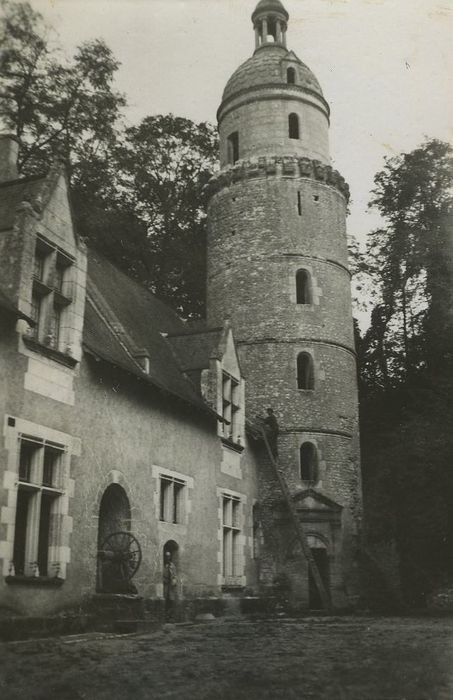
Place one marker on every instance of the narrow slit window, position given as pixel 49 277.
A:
pixel 308 463
pixel 305 371
pixel 293 126
pixel 291 76
pixel 303 287
pixel 299 204
pixel 233 147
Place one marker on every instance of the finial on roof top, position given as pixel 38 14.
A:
pixel 270 23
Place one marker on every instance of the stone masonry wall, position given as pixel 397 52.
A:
pixel 262 126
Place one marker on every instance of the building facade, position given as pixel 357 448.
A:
pixel 119 417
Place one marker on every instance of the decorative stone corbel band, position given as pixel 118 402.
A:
pixel 270 166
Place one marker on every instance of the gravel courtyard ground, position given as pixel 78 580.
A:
pixel 335 658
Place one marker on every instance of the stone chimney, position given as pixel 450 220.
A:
pixel 9 150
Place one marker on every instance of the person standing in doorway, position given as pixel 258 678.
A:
pixel 170 586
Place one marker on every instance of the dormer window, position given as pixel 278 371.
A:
pixel 233 147
pixel 38 265
pixel 51 293
pixel 291 76
pixel 230 407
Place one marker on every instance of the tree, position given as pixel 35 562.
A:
pixel 162 167
pixel 406 359
pixel 55 106
pixel 137 193
pixel 410 261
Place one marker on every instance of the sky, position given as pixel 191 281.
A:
pixel 385 67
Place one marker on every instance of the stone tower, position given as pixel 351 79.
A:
pixel 278 269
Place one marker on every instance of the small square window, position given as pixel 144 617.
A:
pixel 171 500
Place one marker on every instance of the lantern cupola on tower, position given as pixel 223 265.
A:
pixel 270 23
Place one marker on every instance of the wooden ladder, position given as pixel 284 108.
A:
pixel 323 594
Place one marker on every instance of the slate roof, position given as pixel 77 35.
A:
pixel 14 192
pixel 194 350
pixel 122 317
pixel 264 68
pixel 8 305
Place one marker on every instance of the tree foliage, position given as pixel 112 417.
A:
pixel 161 167
pixel 408 264
pixel 406 359
pixel 54 106
pixel 137 192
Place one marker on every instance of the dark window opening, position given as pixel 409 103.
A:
pixel 293 126
pixel 305 372
pixel 59 277
pixel 50 467
pixel 35 313
pixel 303 287
pixel 55 326
pixel 308 463
pixel 20 530
pixel 316 197
pixel 27 450
pixel 299 204
pixel 233 147
pixel 44 535
pixel 291 76
pixel 38 265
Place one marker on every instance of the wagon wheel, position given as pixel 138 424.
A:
pixel 121 555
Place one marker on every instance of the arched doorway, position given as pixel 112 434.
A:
pixel 319 553
pixel 114 516
pixel 173 548
pixel 170 578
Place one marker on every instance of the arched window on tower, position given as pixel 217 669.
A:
pixel 305 371
pixel 308 456
pixel 303 287
pixel 233 147
pixel 290 76
pixel 293 126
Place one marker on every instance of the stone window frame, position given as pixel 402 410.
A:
pixel 159 473
pixel 15 431
pixel 233 147
pixel 309 372
pixel 314 479
pixel 307 292
pixel 238 540
pixel 291 71
pixel 171 499
pixel 231 407
pixel 321 466
pixel 52 292
pixel 316 290
pixel 293 126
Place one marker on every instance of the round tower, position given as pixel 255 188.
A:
pixel 278 269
